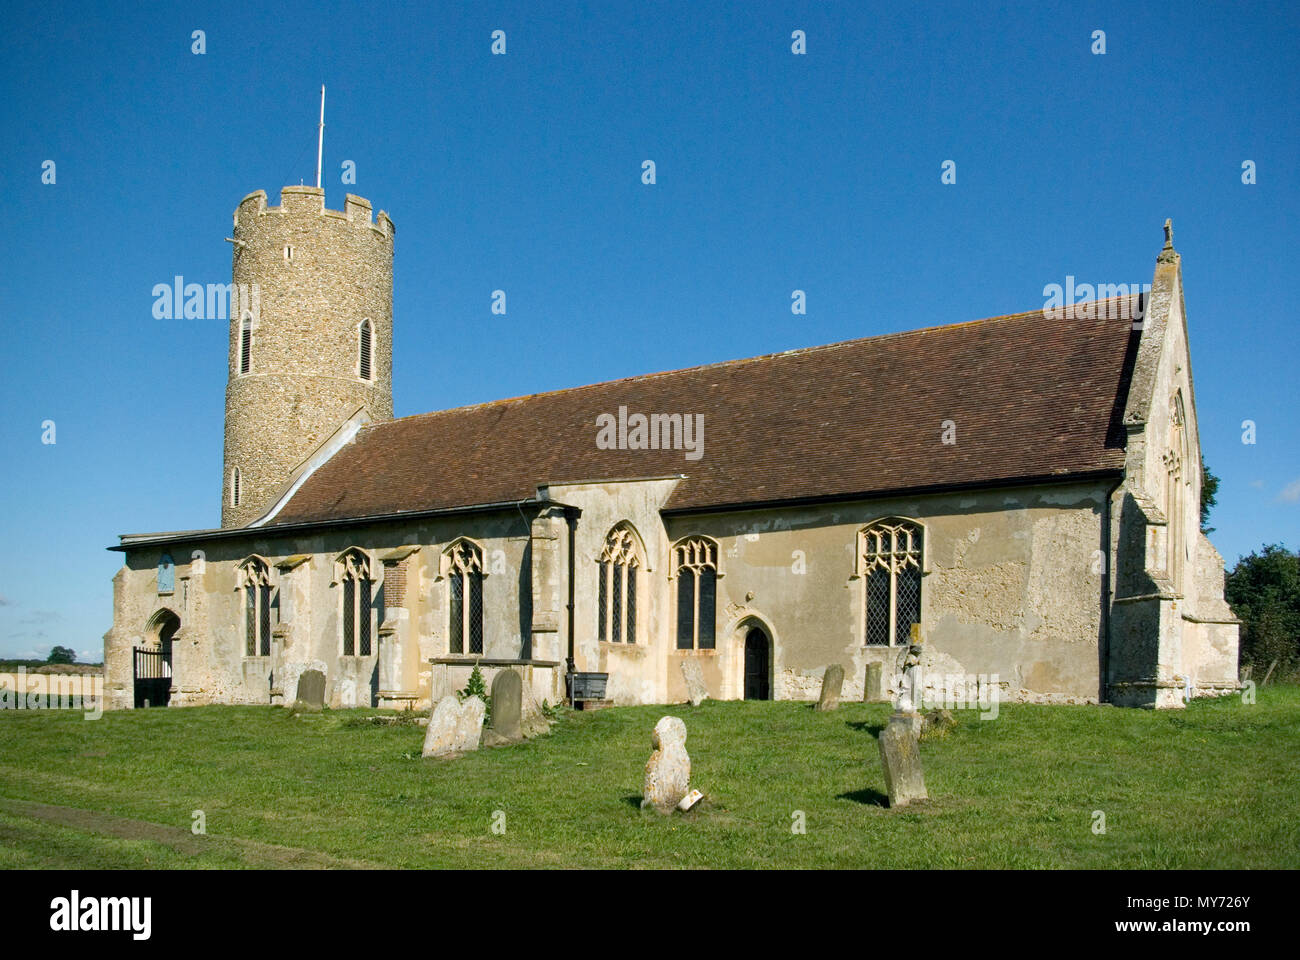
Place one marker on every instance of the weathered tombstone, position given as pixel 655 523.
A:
pixel 469 725
pixel 668 772
pixel 900 758
pixel 533 722
pixel 832 682
pixel 311 689
pixel 507 704
pixel 440 734
pixel 875 687
pixel 696 690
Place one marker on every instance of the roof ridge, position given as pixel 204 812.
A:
pixel 376 425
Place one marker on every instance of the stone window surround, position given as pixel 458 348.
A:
pixel 716 563
pixel 345 567
pixel 860 571
pixel 445 573
pixel 628 553
pixel 255 570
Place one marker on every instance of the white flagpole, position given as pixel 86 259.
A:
pixel 320 141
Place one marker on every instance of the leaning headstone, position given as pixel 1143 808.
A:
pixel 832 682
pixel 875 688
pixel 440 734
pixel 696 690
pixel 901 759
pixel 311 689
pixel 668 773
pixel 469 725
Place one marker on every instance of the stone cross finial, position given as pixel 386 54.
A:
pixel 1169 233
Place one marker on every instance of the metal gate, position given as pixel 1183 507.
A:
pixel 153 677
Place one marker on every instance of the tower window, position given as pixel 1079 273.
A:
pixel 288 253
pixel 246 345
pixel 234 487
pixel 366 336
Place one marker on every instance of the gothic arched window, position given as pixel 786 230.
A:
pixel 464 570
pixel 255 584
pixel 889 562
pixel 365 337
pixel 353 569
pixel 616 589
pixel 695 565
pixel 246 345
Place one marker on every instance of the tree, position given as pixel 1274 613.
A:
pixel 1209 487
pixel 1264 591
pixel 62 655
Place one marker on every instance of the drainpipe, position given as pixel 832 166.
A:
pixel 572 521
pixel 1108 534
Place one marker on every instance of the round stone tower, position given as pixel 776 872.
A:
pixel 311 338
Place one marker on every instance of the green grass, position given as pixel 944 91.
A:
pixel 1216 785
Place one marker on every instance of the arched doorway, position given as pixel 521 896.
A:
pixel 758 665
pixel 152 663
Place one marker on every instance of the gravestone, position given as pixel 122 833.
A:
pixel 696 690
pixel 469 725
pixel 832 681
pixel 533 722
pixel 875 688
pixel 900 757
pixel 668 772
pixel 507 710
pixel 440 734
pixel 311 688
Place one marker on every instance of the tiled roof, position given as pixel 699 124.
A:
pixel 1029 397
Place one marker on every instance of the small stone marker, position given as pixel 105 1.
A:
pixel 469 725
pixel 690 800
pixel 440 734
pixel 875 689
pixel 901 760
pixel 696 690
pixel 507 705
pixel 832 681
pixel 668 772
pixel 311 688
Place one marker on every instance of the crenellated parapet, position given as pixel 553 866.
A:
pixel 310 202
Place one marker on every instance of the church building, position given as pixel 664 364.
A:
pixel 1023 490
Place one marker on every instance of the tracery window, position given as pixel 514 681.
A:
pixel 695 565
pixel 617 569
pixel 358 589
pixel 255 584
pixel 464 565
pixel 889 563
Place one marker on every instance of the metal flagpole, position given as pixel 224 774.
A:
pixel 320 140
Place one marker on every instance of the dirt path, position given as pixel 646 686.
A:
pixel 264 856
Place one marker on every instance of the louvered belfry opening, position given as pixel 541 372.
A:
pixel 246 346
pixel 890 554
pixel 366 335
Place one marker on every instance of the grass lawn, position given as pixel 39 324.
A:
pixel 1216 785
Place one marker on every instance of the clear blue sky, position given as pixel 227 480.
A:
pixel 522 172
